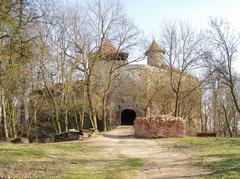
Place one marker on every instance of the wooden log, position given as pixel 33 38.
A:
pixel 206 134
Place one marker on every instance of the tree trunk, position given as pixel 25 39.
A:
pixel 81 122
pixel 227 122
pixel 35 125
pixel 58 128
pixel 104 113
pixel 234 98
pixel 66 120
pixel 57 121
pixel 76 120
pixel 4 115
pixel 94 117
pixel 90 105
pixel 12 118
pixel 176 104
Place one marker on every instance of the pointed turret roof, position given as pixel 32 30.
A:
pixel 154 47
pixel 107 47
pixel 108 51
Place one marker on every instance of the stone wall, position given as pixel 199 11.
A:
pixel 138 84
pixel 159 127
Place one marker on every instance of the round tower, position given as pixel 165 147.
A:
pixel 155 55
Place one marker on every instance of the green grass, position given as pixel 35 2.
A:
pixel 63 160
pixel 221 155
pixel 135 163
pixel 77 160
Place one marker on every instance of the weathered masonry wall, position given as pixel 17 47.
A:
pixel 159 127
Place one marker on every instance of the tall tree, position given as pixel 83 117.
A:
pixel 182 47
pixel 223 43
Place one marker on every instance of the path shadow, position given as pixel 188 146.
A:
pixel 185 176
pixel 129 136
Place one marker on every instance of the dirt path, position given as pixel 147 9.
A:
pixel 159 160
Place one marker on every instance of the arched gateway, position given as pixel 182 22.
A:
pixel 128 116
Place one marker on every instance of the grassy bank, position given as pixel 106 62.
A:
pixel 63 160
pixel 221 155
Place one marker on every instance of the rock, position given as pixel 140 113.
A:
pixel 73 130
pixel 20 140
pixel 159 127
pixel 88 133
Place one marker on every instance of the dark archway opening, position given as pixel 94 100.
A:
pixel 127 117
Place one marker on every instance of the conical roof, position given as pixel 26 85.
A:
pixel 154 47
pixel 107 47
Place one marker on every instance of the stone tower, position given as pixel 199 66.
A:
pixel 155 55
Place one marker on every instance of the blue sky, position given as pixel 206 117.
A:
pixel 149 15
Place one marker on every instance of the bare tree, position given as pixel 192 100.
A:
pixel 88 32
pixel 183 51
pixel 222 43
pixel 17 27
